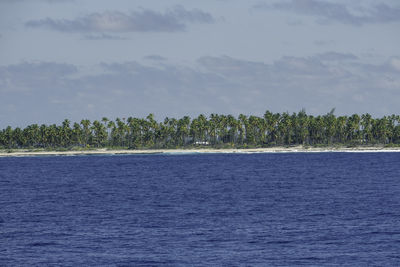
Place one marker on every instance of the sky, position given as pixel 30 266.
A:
pixel 88 59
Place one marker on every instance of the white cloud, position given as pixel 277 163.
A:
pixel 103 36
pixel 155 58
pixel 223 84
pixel 395 63
pixel 145 20
pixel 327 11
pixel 335 56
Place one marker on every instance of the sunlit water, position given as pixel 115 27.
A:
pixel 201 209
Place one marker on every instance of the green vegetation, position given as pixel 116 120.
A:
pixel 218 131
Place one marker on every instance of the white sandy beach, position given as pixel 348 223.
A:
pixel 295 149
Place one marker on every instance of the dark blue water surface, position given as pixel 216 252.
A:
pixel 201 209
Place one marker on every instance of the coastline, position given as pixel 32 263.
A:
pixel 294 149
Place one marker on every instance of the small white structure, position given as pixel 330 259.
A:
pixel 203 143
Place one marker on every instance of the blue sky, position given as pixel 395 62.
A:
pixel 93 58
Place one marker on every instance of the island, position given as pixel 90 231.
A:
pixel 272 132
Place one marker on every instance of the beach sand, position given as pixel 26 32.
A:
pixel 294 149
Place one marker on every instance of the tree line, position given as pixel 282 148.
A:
pixel 272 129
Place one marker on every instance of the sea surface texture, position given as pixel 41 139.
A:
pixel 288 209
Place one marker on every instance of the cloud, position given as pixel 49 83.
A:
pixel 103 36
pixel 46 1
pixel 390 67
pixel 58 1
pixel 327 11
pixel 29 92
pixel 226 65
pixel 335 56
pixel 395 63
pixel 155 58
pixel 324 42
pixel 49 92
pixel 39 95
pixel 26 76
pixel 41 68
pixel 294 22
pixel 146 20
pixel 316 83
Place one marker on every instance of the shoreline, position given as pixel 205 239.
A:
pixel 295 149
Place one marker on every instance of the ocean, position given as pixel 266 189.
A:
pixel 266 209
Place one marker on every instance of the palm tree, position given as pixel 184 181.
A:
pixel 86 133
pixel 32 135
pixel 329 125
pixel 301 123
pixel 153 128
pixel 366 123
pixel 65 134
pixel 77 135
pixel 105 121
pixel 353 128
pixel 243 126
pixel 391 127
pixel 285 129
pixel 233 128
pixel 121 132
pixel 170 132
pixel 99 134
pixel 134 132
pixel 252 130
pixel 9 137
pixel 18 138
pixel 213 126
pixel 396 133
pixel 222 128
pixel 183 129
pixel 341 135
pixel 113 132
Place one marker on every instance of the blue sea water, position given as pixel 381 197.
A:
pixel 288 209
